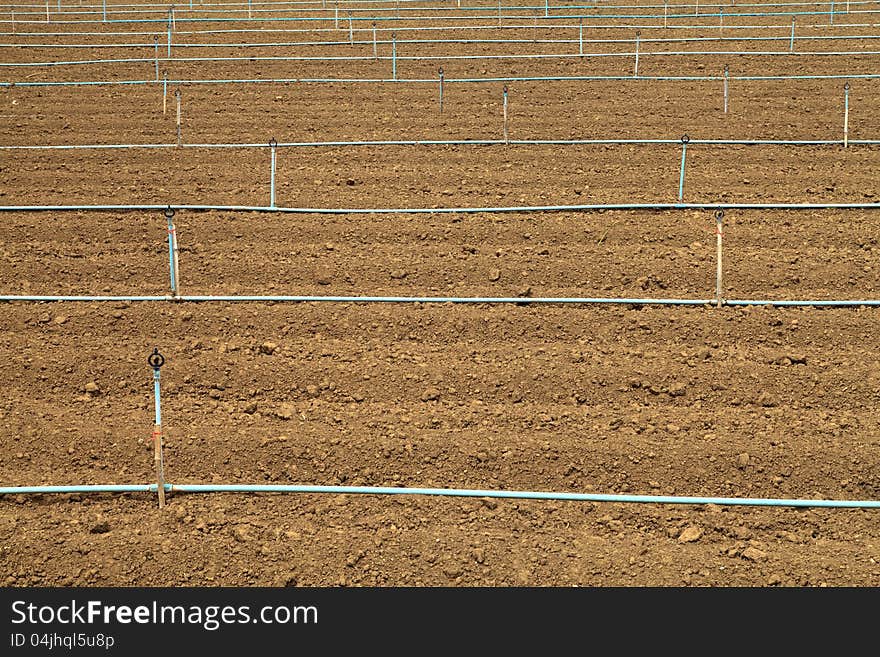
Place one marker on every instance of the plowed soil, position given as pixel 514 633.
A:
pixel 753 401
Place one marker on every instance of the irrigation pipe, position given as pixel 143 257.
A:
pixel 312 5
pixel 418 58
pixel 453 142
pixel 569 78
pixel 90 488
pixel 444 28
pixel 822 303
pixel 289 44
pixel 490 13
pixel 446 210
pixel 451 492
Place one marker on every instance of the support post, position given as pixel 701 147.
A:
pixel 846 115
pixel 726 87
pixel 441 90
pixel 636 69
pixel 581 38
pixel 172 253
pixel 719 233
pixel 156 361
pixel 684 144
pixel 506 141
pixel 273 144
pixel 177 96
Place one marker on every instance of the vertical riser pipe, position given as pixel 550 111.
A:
pixel 719 283
pixel 684 142
pixel 156 360
pixel 636 69
pixel 506 140
pixel 179 137
pixel 726 88
pixel 273 145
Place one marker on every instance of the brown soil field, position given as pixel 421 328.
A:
pixel 753 401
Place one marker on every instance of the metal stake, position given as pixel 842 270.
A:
pixel 726 86
pixel 441 90
pixel 156 361
pixel 273 144
pixel 581 37
pixel 505 115
pixel 172 252
pixel 719 301
pixel 684 143
pixel 636 71
pixel 846 115
pixel 177 95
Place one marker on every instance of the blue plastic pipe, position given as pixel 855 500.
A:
pixel 450 210
pixel 272 145
pixel 517 494
pixel 450 142
pixel 156 395
pixel 446 492
pixel 97 488
pixel 684 144
pixel 841 303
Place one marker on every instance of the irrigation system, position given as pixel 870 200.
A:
pixel 146 38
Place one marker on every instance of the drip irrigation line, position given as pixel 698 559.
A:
pixel 313 5
pixel 90 488
pixel 490 14
pixel 433 81
pixel 521 301
pixel 451 142
pixel 288 44
pixel 446 210
pixel 419 58
pixel 443 28
pixel 452 492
